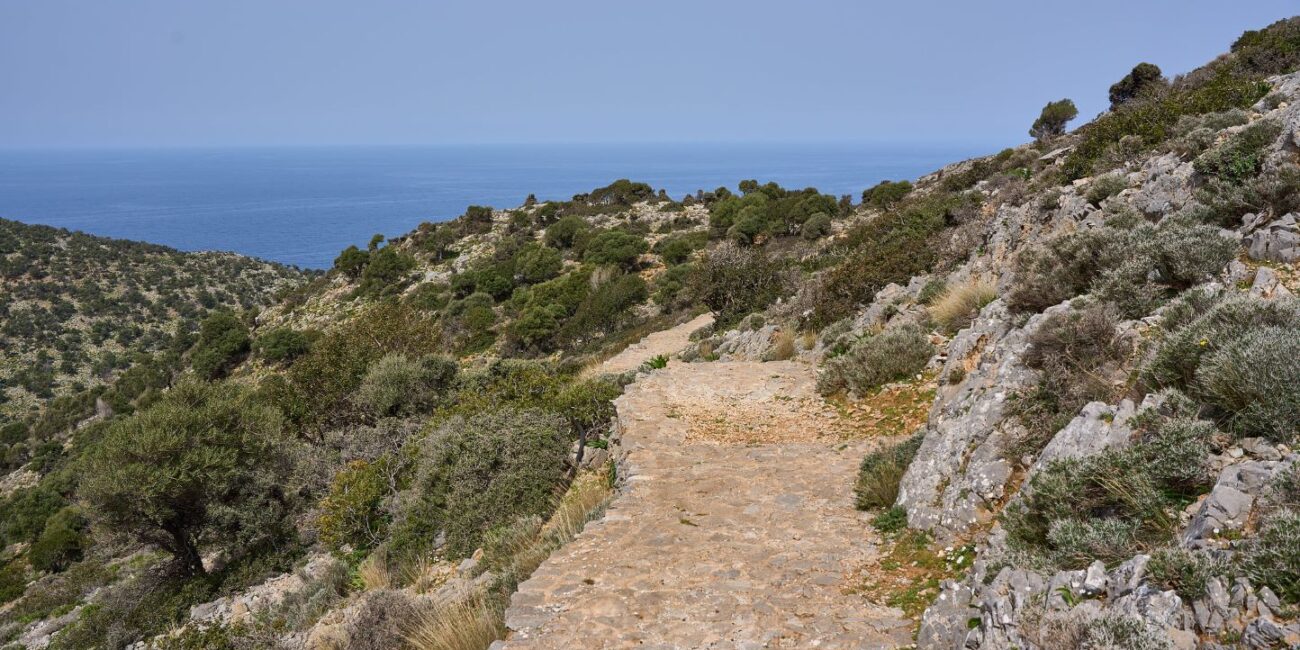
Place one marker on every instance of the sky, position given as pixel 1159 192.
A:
pixel 163 73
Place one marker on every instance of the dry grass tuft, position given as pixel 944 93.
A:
pixel 960 304
pixel 373 571
pixel 782 347
pixel 469 624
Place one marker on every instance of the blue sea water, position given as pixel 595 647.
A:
pixel 303 205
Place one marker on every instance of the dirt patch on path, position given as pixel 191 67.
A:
pixel 735 528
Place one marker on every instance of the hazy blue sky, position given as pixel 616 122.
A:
pixel 253 72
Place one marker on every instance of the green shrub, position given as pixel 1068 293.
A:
pixel 880 473
pixel 893 355
pixel 1238 357
pixel 891 520
pixel 1224 203
pixel 62 543
pixel 352 513
pixel 1272 50
pixel 480 472
pixel 1114 504
pixel 1242 156
pixel 13 581
pixel 1272 558
pixel 816 227
pixel 536 263
pixel 735 282
pixel 1187 572
pixel 1136 269
pixel 282 344
pixel 1211 89
pixel 616 247
pixel 890 248
pixel 385 272
pixel 1052 120
pixel 604 310
pixel 1253 378
pixel 223 341
pixel 886 193
pixel 396 385
pixel 351 262
pixel 677 249
pixel 330 372
pixel 563 234
pixel 1104 187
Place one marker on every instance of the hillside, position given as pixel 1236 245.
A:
pixel 77 309
pixel 1047 398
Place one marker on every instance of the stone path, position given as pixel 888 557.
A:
pixel 668 342
pixel 735 528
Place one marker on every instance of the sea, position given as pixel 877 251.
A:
pixel 303 205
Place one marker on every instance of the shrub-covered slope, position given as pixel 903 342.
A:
pixel 75 309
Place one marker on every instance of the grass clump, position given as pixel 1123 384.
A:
pixel 871 362
pixel 957 306
pixel 880 473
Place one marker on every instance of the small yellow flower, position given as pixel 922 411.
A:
pixel 1204 342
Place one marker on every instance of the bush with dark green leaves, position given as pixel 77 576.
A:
pixel 200 470
pixel 678 248
pixel 282 344
pixel 606 309
pixel 616 247
pixel 479 472
pixel 880 473
pixel 223 342
pixel 536 263
pixel 893 355
pixel 886 193
pixel 816 227
pixel 351 262
pixel 767 210
pixel 62 543
pixel 385 272
pixel 563 234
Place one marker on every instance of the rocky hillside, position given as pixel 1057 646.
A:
pixel 76 309
pixel 1101 323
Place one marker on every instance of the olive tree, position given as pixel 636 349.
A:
pixel 197 471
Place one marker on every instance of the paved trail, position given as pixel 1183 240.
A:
pixel 736 528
